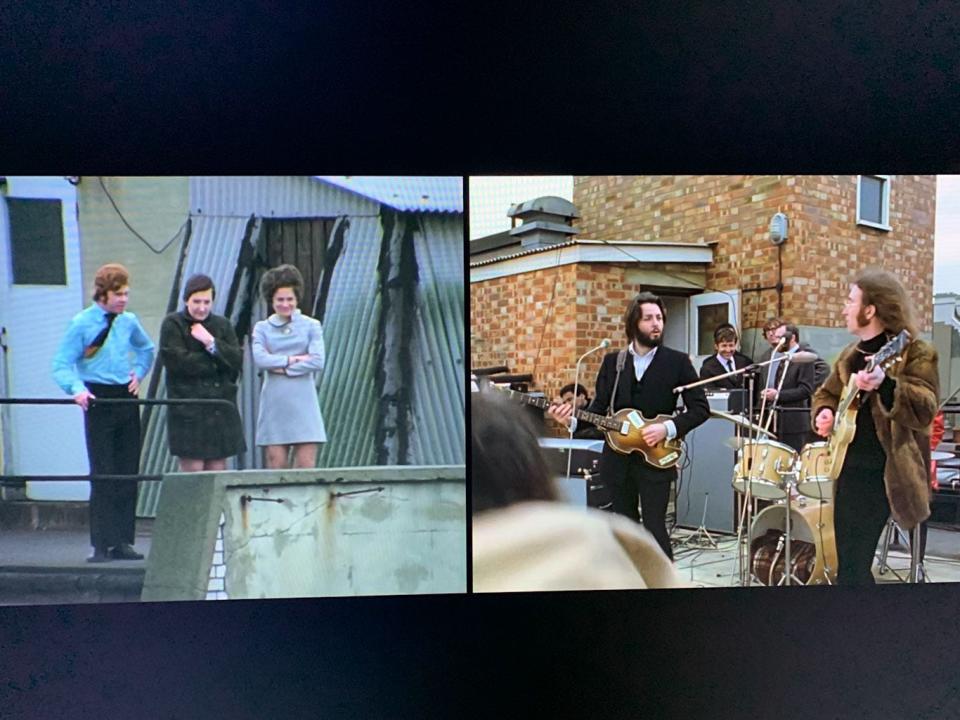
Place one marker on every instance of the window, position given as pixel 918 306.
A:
pixel 36 242
pixel 873 201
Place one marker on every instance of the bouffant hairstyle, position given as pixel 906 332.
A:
pixel 635 311
pixel 280 277
pixel 109 278
pixel 198 283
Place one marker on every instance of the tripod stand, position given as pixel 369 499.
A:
pixel 917 572
pixel 702 534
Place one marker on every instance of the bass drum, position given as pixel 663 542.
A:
pixel 813 550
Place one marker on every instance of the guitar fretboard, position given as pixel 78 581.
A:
pixel 601 421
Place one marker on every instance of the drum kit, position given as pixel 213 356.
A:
pixel 792 540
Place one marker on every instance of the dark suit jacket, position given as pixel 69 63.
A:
pixel 795 393
pixel 668 369
pixel 711 368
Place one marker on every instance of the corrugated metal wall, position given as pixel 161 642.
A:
pixel 439 397
pixel 221 209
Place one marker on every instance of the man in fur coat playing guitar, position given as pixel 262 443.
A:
pixel 891 377
pixel 642 377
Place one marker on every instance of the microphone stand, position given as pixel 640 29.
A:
pixel 573 401
pixel 746 510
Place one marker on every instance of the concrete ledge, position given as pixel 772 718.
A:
pixel 383 530
pixel 43 515
pixel 32 586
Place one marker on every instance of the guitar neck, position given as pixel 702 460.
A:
pixel 601 421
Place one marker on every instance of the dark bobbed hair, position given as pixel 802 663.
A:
pixel 581 390
pixel 198 283
pixel 634 310
pixel 506 464
pixel 109 277
pixel 884 291
pixel 280 277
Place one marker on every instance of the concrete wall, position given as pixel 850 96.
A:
pixel 334 532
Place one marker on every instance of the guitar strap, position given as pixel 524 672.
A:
pixel 621 361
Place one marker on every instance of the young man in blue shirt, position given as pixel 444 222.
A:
pixel 105 354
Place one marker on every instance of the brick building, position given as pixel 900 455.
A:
pixel 540 296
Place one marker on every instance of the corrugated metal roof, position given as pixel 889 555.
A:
pixel 412 194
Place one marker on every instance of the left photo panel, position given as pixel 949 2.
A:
pixel 218 388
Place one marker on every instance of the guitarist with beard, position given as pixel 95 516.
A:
pixel 886 467
pixel 643 377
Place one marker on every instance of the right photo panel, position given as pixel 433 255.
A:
pixel 702 381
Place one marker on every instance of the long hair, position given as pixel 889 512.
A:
pixel 634 310
pixel 884 291
pixel 506 464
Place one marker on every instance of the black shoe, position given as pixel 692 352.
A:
pixel 124 551
pixel 100 555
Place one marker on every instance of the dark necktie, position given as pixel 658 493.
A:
pixel 100 339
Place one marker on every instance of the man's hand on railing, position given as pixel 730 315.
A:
pixel 83 399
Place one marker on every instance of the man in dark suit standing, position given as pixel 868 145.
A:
pixel 793 426
pixel 726 360
pixel 642 376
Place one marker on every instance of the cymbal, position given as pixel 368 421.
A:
pixel 743 422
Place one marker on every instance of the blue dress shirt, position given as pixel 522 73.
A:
pixel 127 347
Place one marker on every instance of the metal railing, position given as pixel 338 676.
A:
pixel 18 480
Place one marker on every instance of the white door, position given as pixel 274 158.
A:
pixel 707 311
pixel 39 439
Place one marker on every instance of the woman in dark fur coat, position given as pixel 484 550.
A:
pixel 202 358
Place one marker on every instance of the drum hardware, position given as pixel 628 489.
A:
pixel 893 534
pixel 811 527
pixel 754 432
pixel 702 533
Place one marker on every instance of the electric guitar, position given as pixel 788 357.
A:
pixel 622 431
pixel 845 418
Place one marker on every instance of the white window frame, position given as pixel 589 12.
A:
pixel 730 298
pixel 884 223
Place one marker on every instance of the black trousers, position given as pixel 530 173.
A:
pixel 860 513
pixel 637 480
pixel 113 448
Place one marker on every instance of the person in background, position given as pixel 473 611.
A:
pixel 288 345
pixel 726 359
pixel 105 354
pixel 789 387
pixel 525 539
pixel 202 357
pixel 585 429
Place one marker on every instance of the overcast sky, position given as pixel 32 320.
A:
pixel 946 252
pixel 490 198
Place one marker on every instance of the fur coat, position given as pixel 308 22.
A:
pixel 532 546
pixel 903 430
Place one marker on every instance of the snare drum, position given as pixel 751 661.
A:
pixel 763 463
pixel 814 482
pixel 813 550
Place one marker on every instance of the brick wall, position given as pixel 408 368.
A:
pixel 512 321
pixel 824 251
